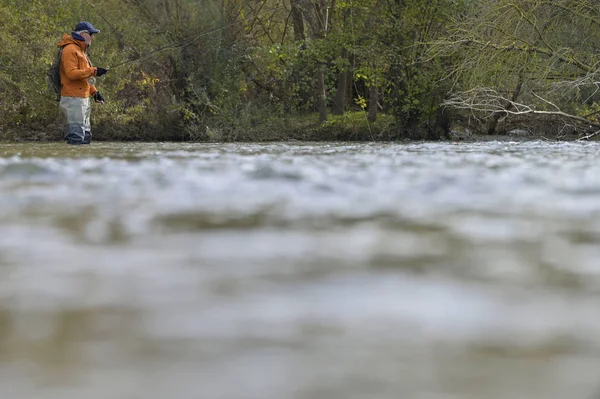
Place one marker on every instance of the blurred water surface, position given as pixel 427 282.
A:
pixel 300 271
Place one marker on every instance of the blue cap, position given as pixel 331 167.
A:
pixel 84 25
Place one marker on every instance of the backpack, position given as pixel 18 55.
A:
pixel 54 75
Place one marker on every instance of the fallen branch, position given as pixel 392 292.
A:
pixel 490 102
pixel 589 136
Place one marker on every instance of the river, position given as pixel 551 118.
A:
pixel 300 270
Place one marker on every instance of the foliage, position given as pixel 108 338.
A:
pixel 253 70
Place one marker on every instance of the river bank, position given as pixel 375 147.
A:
pixel 351 126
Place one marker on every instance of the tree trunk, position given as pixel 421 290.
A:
pixel 321 33
pixel 373 89
pixel 316 14
pixel 322 23
pixel 320 77
pixel 341 95
pixel 297 20
pixel 373 97
pixel 230 14
pixel 493 123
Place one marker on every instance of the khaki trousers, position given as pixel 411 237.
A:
pixel 78 127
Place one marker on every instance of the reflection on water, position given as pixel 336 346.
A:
pixel 300 271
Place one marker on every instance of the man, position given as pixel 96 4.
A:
pixel 77 83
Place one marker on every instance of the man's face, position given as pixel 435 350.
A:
pixel 88 37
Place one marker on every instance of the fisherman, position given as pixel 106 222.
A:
pixel 77 83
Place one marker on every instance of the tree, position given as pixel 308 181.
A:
pixel 533 58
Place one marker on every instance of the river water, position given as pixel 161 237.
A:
pixel 300 271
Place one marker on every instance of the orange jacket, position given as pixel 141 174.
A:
pixel 75 69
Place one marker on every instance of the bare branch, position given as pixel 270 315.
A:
pixel 589 136
pixel 490 102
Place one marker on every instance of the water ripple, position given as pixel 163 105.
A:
pixel 300 270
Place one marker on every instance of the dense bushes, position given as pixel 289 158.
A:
pixel 247 70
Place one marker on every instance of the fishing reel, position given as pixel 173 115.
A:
pixel 92 80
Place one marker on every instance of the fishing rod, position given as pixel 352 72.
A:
pixel 166 47
pixel 187 40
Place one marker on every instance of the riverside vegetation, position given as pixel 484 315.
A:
pixel 258 70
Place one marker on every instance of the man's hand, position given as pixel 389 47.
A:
pixel 99 98
pixel 100 71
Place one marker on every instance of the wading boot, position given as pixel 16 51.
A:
pixel 74 134
pixel 87 139
pixel 73 140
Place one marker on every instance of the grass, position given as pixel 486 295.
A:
pixel 351 126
